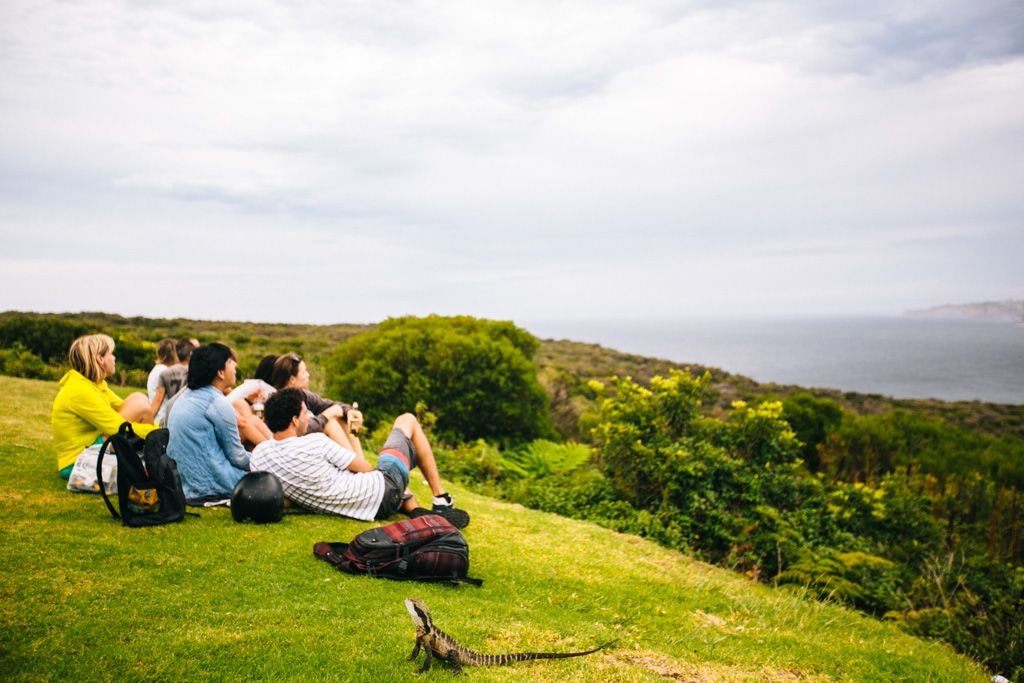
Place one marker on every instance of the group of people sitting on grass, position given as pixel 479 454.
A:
pixel 308 442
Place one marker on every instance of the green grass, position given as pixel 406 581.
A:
pixel 83 598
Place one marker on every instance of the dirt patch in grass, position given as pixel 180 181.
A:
pixel 680 670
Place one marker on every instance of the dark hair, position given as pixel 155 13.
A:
pixel 184 349
pixel 206 362
pixel 285 367
pixel 265 368
pixel 281 408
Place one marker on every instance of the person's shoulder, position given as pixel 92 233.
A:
pixel 174 372
pixel 265 447
pixel 318 439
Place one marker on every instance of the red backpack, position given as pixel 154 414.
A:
pixel 426 548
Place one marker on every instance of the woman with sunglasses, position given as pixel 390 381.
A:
pixel 336 420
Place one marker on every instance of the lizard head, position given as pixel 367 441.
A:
pixel 420 614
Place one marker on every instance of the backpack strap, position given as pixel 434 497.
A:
pixel 99 476
pixel 453 580
pixel 333 554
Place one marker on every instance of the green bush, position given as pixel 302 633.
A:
pixel 475 375
pixel 46 336
pixel 17 361
pixel 812 419
pixel 542 458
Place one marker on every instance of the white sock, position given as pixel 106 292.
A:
pixel 444 500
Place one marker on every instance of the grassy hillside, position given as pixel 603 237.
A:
pixel 83 598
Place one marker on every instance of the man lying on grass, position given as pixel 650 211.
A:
pixel 320 475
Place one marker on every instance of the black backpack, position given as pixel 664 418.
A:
pixel 148 486
pixel 426 548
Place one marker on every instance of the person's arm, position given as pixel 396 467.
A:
pixel 322 409
pixel 97 409
pixel 153 381
pixel 225 427
pixel 344 459
pixel 246 389
pixel 100 410
pixel 158 399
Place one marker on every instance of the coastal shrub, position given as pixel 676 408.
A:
pixel 541 458
pixel 17 361
pixel 477 376
pixel 812 419
pixel 45 336
pixel 478 463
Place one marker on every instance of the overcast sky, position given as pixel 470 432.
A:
pixel 346 162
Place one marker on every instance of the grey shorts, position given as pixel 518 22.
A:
pixel 396 458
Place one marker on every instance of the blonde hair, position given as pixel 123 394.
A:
pixel 83 355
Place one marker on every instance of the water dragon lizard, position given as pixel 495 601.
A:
pixel 437 643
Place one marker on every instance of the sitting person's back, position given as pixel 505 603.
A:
pixel 204 438
pixel 172 381
pixel 165 358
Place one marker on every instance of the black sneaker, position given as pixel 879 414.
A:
pixel 458 518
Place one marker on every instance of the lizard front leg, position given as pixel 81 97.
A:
pixel 430 655
pixel 415 650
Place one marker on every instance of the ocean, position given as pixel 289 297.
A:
pixel 902 357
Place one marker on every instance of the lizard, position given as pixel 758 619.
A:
pixel 437 643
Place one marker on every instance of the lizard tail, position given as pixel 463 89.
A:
pixel 528 656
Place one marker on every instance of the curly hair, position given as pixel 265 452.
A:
pixel 281 408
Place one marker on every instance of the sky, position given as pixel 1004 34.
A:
pixel 349 161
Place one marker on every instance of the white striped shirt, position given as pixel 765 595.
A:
pixel 314 473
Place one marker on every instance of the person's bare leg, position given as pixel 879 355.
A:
pixel 136 408
pixel 425 460
pixel 409 504
pixel 338 432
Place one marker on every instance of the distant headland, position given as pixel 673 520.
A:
pixel 1011 310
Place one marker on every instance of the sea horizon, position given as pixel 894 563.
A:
pixel 897 355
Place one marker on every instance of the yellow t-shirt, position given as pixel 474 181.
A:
pixel 82 411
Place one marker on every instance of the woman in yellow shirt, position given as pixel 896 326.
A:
pixel 86 408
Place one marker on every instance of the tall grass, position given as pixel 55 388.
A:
pixel 83 598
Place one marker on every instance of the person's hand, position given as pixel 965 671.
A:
pixel 256 395
pixel 355 419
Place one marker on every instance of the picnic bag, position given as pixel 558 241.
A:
pixel 148 485
pixel 426 548
pixel 83 474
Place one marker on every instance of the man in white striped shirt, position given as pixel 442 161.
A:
pixel 322 476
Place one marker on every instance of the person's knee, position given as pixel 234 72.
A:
pixel 136 400
pixel 408 423
pixel 135 408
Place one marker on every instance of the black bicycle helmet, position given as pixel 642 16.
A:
pixel 258 496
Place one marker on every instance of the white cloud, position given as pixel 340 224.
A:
pixel 513 159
